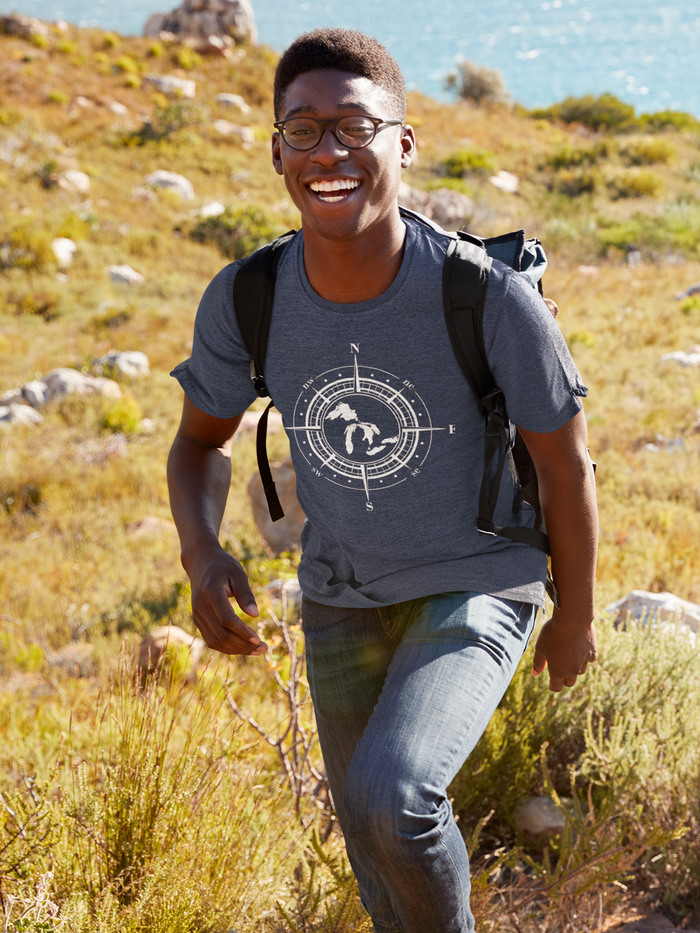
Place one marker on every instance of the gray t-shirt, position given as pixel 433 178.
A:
pixel 386 435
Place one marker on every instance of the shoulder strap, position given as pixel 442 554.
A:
pixel 253 298
pixel 465 279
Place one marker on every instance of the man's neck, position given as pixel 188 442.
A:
pixel 355 269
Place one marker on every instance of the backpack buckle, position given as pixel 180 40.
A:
pixel 258 381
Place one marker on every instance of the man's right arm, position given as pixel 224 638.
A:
pixel 199 476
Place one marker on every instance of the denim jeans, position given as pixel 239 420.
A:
pixel 402 695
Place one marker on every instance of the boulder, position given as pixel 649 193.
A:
pixel 35 393
pixel 245 133
pixel 656 607
pixel 73 180
pixel 249 423
pixel 233 100
pixel 12 397
pixel 506 181
pixel 693 290
pixel 205 18
pixel 63 250
pixel 174 182
pixel 19 414
pixel 210 209
pixel 66 381
pixel 77 659
pixel 154 646
pixel 285 534
pixel 26 27
pixel 172 85
pixel 691 358
pixel 214 45
pixel 116 107
pixel 125 275
pixel 126 362
pixel 448 208
pixel 538 819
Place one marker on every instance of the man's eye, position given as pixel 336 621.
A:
pixel 301 130
pixel 357 128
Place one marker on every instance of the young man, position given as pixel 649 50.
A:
pixel 414 622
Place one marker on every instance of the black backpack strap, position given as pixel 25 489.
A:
pixel 253 298
pixel 465 281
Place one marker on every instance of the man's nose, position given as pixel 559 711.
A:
pixel 328 149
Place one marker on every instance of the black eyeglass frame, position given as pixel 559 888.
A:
pixel 333 124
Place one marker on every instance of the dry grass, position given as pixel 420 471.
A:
pixel 71 568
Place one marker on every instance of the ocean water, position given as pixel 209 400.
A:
pixel 646 52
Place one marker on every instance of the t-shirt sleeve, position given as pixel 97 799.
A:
pixel 528 355
pixel 216 378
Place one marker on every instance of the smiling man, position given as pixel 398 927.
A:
pixel 414 621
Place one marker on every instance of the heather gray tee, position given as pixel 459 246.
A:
pixel 385 432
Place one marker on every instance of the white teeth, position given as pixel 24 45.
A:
pixel 338 184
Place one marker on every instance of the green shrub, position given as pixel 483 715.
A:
pixel 477 83
pixel 238 231
pixel 606 112
pixel 66 46
pixel 675 228
pixel 122 416
pixel 30 658
pixel 110 40
pixel 575 183
pixel 25 248
pixel 126 64
pixel 648 152
pixel 132 80
pixel 187 58
pixel 456 184
pixel 43 304
pixel 10 117
pixel 155 49
pixel 58 97
pixel 635 184
pixel 693 172
pixel 468 162
pixel 669 119
pixel 167 121
pixel 40 41
pixel 690 305
pixel 568 156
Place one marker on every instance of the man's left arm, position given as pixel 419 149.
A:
pixel 567 641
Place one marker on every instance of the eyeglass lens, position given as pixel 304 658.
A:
pixel 305 133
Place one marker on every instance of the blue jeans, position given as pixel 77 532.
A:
pixel 402 695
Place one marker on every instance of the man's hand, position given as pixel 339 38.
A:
pixel 566 649
pixel 217 577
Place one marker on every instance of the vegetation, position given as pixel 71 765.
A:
pixel 170 808
pixel 478 84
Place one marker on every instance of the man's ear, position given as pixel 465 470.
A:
pixel 277 153
pixel 408 145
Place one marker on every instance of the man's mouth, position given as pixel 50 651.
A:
pixel 336 189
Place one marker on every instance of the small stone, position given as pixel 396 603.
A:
pixel 210 209
pixel 292 593
pixel 12 397
pixel 174 182
pixel 83 102
pixel 66 381
pixel 233 100
pixel 126 362
pixel 77 660
pixel 506 181
pixel 35 393
pixel 689 292
pixel 119 109
pixel 172 85
pixel 155 644
pixel 285 534
pixel 125 275
pixel 539 819
pixel 63 250
pixel 689 359
pixel 19 414
pixel 73 180
pixel 151 526
pixel 249 423
pixel 590 271
pixel 226 128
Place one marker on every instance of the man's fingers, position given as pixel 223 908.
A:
pixel 538 664
pixel 240 590
pixel 221 628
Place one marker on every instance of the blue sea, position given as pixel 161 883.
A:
pixel 647 53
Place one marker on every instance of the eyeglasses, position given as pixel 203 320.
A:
pixel 353 132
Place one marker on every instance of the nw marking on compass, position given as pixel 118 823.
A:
pixel 361 427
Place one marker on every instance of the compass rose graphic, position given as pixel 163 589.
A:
pixel 361 427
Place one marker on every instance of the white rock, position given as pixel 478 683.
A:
pixel 36 393
pixel 448 208
pixel 591 271
pixel 539 819
pixel 249 423
pixel 691 358
pixel 657 607
pixel 63 250
pixel 284 534
pixel 73 180
pixel 11 397
pixel 171 180
pixel 233 100
pixel 210 209
pixel 127 362
pixel 171 84
pixel 246 133
pixel 506 181
pixel 155 643
pixel 116 107
pixel 292 593
pixel 125 275
pixel 83 102
pixel 65 381
pixel 19 414
pixel 152 526
pixel 693 290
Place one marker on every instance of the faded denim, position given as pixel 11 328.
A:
pixel 402 695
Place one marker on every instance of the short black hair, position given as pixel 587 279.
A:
pixel 341 50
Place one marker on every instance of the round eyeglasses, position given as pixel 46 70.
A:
pixel 353 132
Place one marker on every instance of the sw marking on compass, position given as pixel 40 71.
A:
pixel 361 427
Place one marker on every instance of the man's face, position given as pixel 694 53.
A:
pixel 367 180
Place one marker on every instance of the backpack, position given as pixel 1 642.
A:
pixel 464 283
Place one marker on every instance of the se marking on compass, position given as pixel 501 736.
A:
pixel 361 427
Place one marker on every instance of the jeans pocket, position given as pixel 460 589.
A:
pixel 391 618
